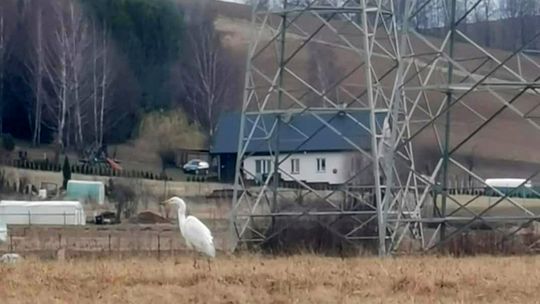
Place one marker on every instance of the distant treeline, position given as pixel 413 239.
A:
pixel 75 72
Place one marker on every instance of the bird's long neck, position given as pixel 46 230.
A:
pixel 181 218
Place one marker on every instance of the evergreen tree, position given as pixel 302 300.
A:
pixel 66 171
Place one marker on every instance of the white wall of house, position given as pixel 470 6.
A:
pixel 332 168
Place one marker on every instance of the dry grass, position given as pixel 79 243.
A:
pixel 252 279
pixel 169 131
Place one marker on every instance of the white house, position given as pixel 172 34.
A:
pixel 310 150
pixel 311 167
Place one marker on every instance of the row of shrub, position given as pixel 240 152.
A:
pixel 44 165
pixel 202 178
pixel 197 178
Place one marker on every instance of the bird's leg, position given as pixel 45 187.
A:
pixel 209 266
pixel 194 255
pixel 197 266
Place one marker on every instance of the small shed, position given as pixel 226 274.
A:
pixel 42 213
pixel 84 191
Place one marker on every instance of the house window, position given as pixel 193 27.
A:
pixel 258 166
pixel 321 165
pixel 295 166
pixel 262 166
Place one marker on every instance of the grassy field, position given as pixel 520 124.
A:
pixel 254 279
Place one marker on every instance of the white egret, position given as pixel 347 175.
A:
pixel 197 236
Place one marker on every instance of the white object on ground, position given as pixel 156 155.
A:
pixel 42 193
pixel 10 258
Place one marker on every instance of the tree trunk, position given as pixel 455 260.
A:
pixel 487 32
pixel 76 62
pixel 95 82
pixel 2 65
pixel 63 100
pixel 104 80
pixel 38 78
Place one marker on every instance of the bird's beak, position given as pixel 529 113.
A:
pixel 164 203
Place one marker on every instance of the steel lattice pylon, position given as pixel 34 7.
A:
pixel 418 96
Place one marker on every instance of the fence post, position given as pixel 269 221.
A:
pixel 159 245
pixel 59 241
pixel 29 218
pixel 64 218
pixel 110 249
pixel 10 242
pixel 170 246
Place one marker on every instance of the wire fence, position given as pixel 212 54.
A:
pixel 48 243
pixel 85 169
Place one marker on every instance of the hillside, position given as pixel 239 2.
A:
pixel 142 79
pixel 506 34
pixel 504 144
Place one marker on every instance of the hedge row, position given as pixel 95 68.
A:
pixel 197 178
pixel 88 170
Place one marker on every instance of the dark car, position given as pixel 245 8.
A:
pixel 196 166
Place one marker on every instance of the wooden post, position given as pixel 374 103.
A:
pixel 159 245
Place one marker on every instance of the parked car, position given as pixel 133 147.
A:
pixel 196 166
pixel 105 218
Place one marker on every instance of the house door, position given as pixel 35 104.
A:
pixel 262 168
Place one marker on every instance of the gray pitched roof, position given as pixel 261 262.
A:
pixel 295 135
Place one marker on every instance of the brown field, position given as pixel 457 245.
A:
pixel 257 279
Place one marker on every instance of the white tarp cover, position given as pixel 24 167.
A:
pixel 85 191
pixel 3 233
pixel 507 182
pixel 42 213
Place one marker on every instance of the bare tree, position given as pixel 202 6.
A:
pixel 430 14
pixel 36 66
pixel 78 44
pixel 105 82
pixel 323 73
pixel 63 67
pixel 206 76
pixel 483 13
pixel 95 88
pixel 56 69
pixel 519 11
pixel 261 4
pixel 2 64
pixel 76 109
pixel 100 79
pixel 422 15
